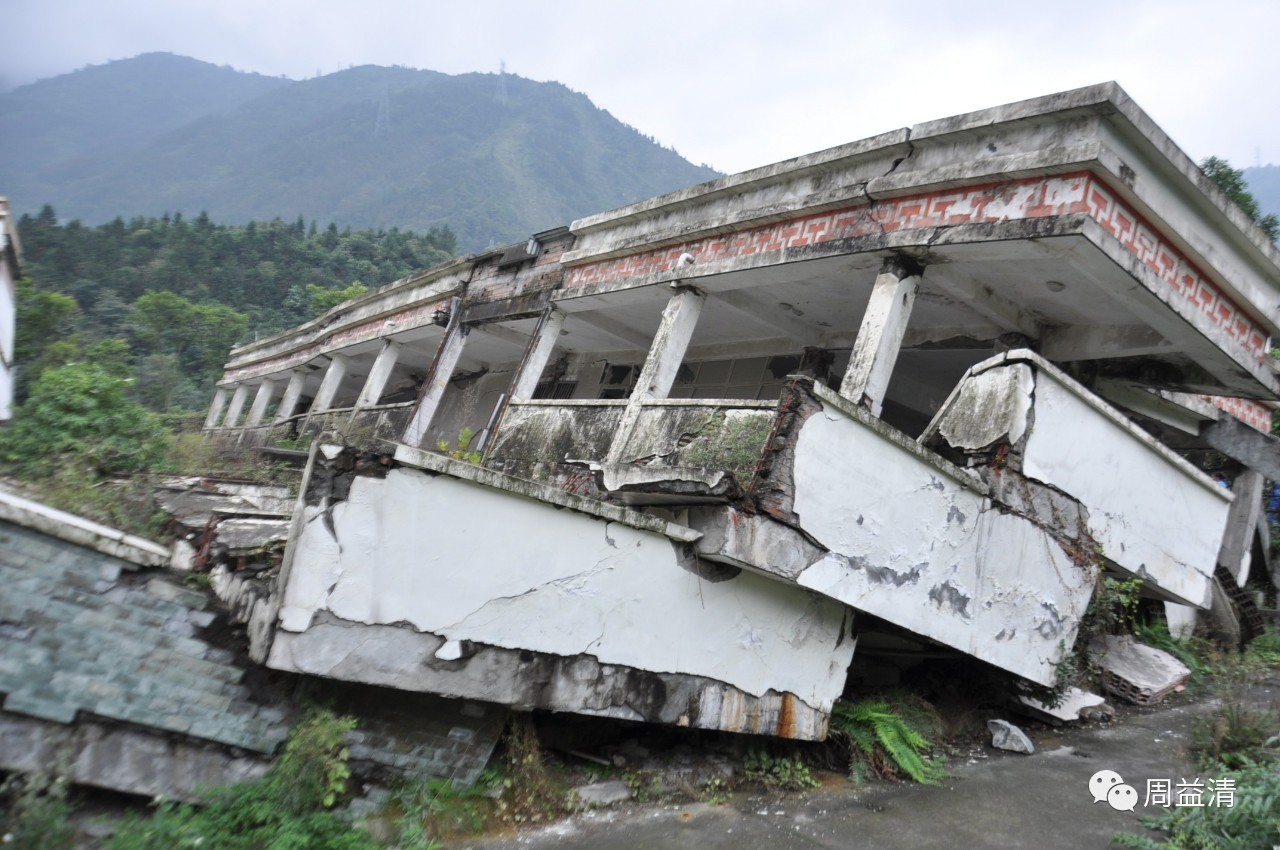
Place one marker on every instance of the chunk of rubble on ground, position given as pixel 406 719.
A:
pixel 1074 705
pixel 1135 672
pixel 1006 736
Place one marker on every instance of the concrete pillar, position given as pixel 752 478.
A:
pixel 883 325
pixel 541 346
pixel 379 374
pixel 237 405
pixel 666 353
pixel 437 382
pixel 1242 524
pixel 216 408
pixel 266 391
pixel 329 384
pixel 292 392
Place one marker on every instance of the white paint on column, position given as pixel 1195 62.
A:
pixel 543 347
pixel 875 351
pixel 292 392
pixel 216 408
pixel 266 390
pixel 441 371
pixel 379 374
pixel 237 405
pixel 329 385
pixel 679 319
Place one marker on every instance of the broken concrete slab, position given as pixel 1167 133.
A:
pixel 547 613
pixel 1136 672
pixel 1006 736
pixel 1074 705
pixel 603 793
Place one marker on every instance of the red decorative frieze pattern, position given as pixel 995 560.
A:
pixel 415 316
pixel 1036 197
pixel 1174 270
pixel 1248 411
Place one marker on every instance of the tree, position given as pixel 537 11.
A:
pixel 78 416
pixel 1231 180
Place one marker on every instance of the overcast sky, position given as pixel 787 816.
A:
pixel 732 84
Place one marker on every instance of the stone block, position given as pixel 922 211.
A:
pixel 46 709
pixel 1135 672
pixel 603 793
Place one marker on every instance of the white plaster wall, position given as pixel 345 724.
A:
pixel 468 562
pixel 915 547
pixel 1151 516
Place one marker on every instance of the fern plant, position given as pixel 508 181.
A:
pixel 879 735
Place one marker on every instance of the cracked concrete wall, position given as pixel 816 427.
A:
pixel 1156 519
pixel 909 543
pixel 1151 513
pixel 428 582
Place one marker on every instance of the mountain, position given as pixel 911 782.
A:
pixel 1264 183
pixel 494 157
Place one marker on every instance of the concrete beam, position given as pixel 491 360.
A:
pixel 1251 447
pixel 292 392
pixel 1242 524
pixel 541 346
pixel 266 391
pixel 1098 342
pixel 216 408
pixel 756 307
pixel 665 356
pixel 1150 405
pixel 237 405
pixel 992 307
pixel 498 331
pixel 614 328
pixel 437 381
pixel 379 374
pixel 880 336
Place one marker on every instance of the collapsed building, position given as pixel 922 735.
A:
pixel 672 462
pixel 687 461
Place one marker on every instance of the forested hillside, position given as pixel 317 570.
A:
pixel 494 156
pixel 162 300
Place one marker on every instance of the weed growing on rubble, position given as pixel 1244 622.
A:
pixel 461 449
pixel 778 773
pixel 887 737
pixel 36 814
pixel 288 808
pixel 433 809
pixel 531 793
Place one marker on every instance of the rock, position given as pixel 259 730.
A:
pixel 603 793
pixel 1006 736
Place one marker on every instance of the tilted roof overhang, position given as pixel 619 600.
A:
pixel 1089 152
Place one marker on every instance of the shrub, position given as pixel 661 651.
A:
pixel 887 736
pixel 289 808
pixel 78 415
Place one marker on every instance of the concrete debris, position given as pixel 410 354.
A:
pixel 1075 703
pixel 603 793
pixel 1135 672
pixel 1006 736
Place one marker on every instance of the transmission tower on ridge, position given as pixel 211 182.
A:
pixel 382 124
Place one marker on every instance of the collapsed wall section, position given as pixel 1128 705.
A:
pixel 459 581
